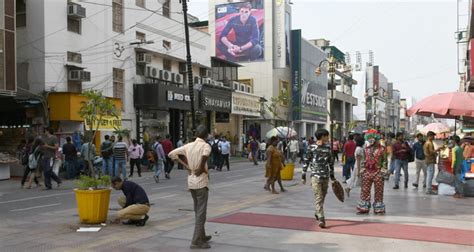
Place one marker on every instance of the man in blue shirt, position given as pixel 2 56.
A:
pixel 224 147
pixel 419 159
pixel 135 204
pixel 246 45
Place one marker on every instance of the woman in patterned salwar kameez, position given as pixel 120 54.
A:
pixel 374 169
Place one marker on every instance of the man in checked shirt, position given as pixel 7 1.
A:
pixel 319 159
pixel 193 156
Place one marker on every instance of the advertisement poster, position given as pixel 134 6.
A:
pixel 240 31
pixel 308 89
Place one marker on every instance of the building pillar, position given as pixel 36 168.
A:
pixel 302 129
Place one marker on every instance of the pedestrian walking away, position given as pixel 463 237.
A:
pixel 120 151
pixel 419 160
pixel 193 156
pixel 355 175
pixel 88 155
pixel 167 148
pixel 374 168
pixel 348 151
pixel 49 152
pixel 401 150
pixel 158 158
pixel 135 152
pixel 253 149
pixel 70 158
pixel 320 161
pixel 31 148
pixel 106 151
pixel 135 204
pixel 224 147
pixel 216 154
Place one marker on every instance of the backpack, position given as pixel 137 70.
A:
pixel 215 147
pixel 33 160
pixel 106 149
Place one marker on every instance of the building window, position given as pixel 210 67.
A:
pixel 74 57
pixel 74 25
pixel 167 64
pixel 167 45
pixel 140 3
pixel 140 36
pixel 117 15
pixel 166 8
pixel 118 85
pixel 20 13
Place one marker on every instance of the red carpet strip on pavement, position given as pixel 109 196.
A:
pixel 373 229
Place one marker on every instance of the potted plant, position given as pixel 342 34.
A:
pixel 92 192
pixel 92 197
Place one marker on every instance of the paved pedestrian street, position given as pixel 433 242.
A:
pixel 242 216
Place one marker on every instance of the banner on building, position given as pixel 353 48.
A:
pixel 236 42
pixel 281 34
pixel 309 91
pixel 107 123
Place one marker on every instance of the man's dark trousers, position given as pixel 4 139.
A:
pixel 200 197
pixel 48 173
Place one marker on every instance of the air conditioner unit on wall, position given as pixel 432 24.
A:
pixel 196 79
pixel 357 67
pixel 143 58
pixel 207 80
pixel 79 75
pixel 164 75
pixel 152 72
pixel 207 73
pixel 76 11
pixel 177 78
pixel 219 83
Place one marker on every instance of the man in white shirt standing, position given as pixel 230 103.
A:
pixel 263 151
pixel 294 149
pixel 193 156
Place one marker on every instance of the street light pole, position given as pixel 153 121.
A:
pixel 188 65
pixel 332 72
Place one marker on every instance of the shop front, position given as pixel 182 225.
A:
pixel 215 102
pixel 162 109
pixel 245 107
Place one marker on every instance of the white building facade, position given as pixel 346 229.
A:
pixel 71 46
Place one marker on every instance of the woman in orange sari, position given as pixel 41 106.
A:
pixel 274 165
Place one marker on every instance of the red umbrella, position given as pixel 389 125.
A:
pixel 452 105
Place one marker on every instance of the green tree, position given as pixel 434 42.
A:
pixel 93 111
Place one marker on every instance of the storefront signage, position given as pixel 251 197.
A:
pixel 173 96
pixel 309 91
pixel 244 104
pixel 106 123
pixel 216 99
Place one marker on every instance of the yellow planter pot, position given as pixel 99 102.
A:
pixel 288 172
pixel 92 205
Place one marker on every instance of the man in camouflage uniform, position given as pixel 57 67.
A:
pixel 321 162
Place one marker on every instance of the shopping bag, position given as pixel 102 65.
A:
pixel 250 156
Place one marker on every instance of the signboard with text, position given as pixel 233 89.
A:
pixel 309 91
pixel 106 123
pixel 216 99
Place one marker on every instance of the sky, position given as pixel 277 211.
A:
pixel 413 41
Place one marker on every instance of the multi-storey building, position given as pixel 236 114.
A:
pixel 133 51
